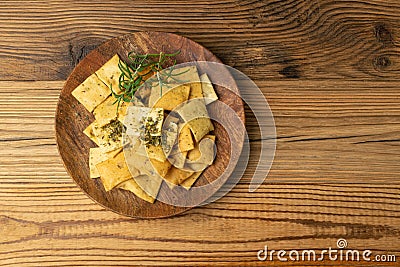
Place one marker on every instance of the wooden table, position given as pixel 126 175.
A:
pixel 330 71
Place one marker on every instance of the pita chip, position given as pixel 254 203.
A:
pixel 109 136
pixel 181 76
pixel 149 184
pixel 185 139
pixel 173 98
pixel 115 171
pixel 90 133
pixel 96 155
pixel 132 186
pixel 208 89
pixel 188 183
pixel 106 111
pixel 176 176
pixel 109 73
pixel 195 114
pixel 91 92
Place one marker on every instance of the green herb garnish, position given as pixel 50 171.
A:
pixel 141 66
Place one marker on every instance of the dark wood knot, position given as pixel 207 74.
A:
pixel 79 49
pixel 290 72
pixel 381 62
pixel 383 34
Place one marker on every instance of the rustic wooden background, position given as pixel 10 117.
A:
pixel 330 71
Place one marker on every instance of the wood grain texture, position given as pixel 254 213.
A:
pixel 56 223
pixel 265 39
pixel 329 70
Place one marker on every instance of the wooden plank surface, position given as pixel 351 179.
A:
pixel 329 70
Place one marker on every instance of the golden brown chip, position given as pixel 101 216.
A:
pixel 188 183
pixel 202 155
pixel 208 89
pixel 89 132
pixel 115 171
pixel 169 135
pixel 155 152
pixel 106 111
pixel 132 186
pixel 180 76
pixel 109 73
pixel 173 98
pixel 139 162
pixel 200 127
pixel 176 176
pixel 137 119
pixel 195 114
pixel 195 90
pixel 140 148
pixel 161 168
pixel 123 107
pixel 109 137
pixel 91 92
pixel 185 139
pixel 96 155
pixel 203 152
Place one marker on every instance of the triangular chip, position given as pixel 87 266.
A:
pixel 176 176
pixel 188 183
pixel 173 98
pixel 91 92
pixel 115 171
pixel 185 139
pixel 195 114
pixel 109 73
pixel 106 111
pixel 208 89
pixel 132 186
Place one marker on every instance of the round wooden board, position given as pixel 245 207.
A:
pixel 72 118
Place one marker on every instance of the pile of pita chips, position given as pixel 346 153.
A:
pixel 194 148
pixel 169 140
pixel 107 161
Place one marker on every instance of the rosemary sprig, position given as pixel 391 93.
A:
pixel 139 68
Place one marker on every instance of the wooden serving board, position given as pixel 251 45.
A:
pixel 72 118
